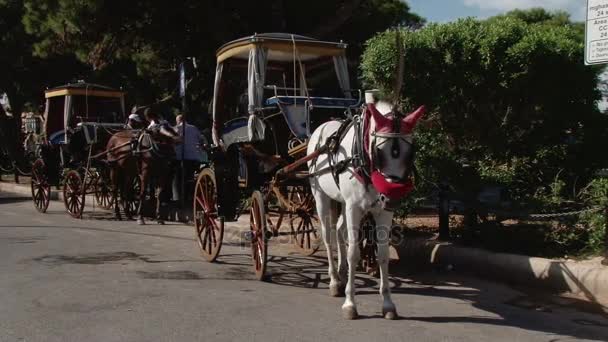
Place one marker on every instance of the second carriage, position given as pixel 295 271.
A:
pixel 78 120
pixel 271 91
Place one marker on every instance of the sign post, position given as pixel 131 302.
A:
pixel 596 32
pixel 182 93
pixel 596 52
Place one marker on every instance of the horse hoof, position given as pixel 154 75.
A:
pixel 141 222
pixel 350 312
pixel 390 314
pixel 336 291
pixel 161 222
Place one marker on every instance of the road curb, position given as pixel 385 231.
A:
pixel 25 190
pixel 558 276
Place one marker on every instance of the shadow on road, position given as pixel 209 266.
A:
pixel 526 311
pixel 14 199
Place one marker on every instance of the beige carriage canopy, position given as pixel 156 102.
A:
pixel 69 104
pixel 258 52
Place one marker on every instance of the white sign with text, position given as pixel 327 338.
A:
pixel 596 32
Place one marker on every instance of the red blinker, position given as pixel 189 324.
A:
pixel 384 124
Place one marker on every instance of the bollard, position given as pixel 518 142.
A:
pixel 444 212
pixel 16 172
pixel 605 261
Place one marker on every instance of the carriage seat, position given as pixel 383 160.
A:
pixel 294 109
pixel 57 138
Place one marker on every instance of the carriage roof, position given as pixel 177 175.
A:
pixel 280 47
pixel 74 104
pixel 82 88
pixel 264 56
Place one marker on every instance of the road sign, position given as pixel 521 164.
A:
pixel 596 32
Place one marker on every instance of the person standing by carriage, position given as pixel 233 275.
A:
pixel 189 152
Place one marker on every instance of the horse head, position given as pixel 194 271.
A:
pixel 391 150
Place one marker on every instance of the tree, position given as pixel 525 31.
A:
pixel 510 97
pixel 146 40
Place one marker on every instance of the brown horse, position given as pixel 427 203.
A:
pixel 140 156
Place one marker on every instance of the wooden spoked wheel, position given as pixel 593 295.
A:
pixel 304 221
pixel 209 225
pixel 41 189
pixel 73 194
pixel 275 214
pixel 103 191
pixel 368 246
pixel 130 199
pixel 259 238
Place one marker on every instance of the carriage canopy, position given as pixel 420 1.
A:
pixel 74 103
pixel 277 66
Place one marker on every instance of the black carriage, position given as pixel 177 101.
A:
pixel 271 91
pixel 78 120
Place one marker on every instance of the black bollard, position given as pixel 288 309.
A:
pixel 16 172
pixel 444 212
pixel 605 261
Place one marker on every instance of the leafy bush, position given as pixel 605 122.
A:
pixel 511 103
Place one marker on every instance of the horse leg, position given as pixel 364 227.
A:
pixel 127 195
pixel 384 221
pixel 341 237
pixel 353 217
pixel 143 184
pixel 116 182
pixel 159 190
pixel 327 217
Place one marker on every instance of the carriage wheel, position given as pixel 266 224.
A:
pixel 41 189
pixel 209 226
pixel 73 194
pixel 304 221
pixel 275 213
pixel 103 192
pixel 259 238
pixel 368 246
pixel 130 200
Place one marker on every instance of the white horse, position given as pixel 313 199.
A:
pixel 387 145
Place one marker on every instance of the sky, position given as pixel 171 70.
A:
pixel 449 10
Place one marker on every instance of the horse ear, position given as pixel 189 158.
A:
pixel 410 121
pixel 380 120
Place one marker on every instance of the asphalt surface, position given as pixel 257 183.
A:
pixel 95 279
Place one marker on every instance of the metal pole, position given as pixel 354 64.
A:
pixel 16 172
pixel 184 116
pixel 605 261
pixel 444 212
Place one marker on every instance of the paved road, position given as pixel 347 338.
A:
pixel 95 279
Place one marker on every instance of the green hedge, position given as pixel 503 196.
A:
pixel 511 99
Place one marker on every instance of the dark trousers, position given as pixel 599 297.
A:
pixel 190 166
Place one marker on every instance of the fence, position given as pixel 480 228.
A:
pixel 444 195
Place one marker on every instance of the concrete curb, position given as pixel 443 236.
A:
pixel 589 281
pixel 558 276
pixel 25 190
